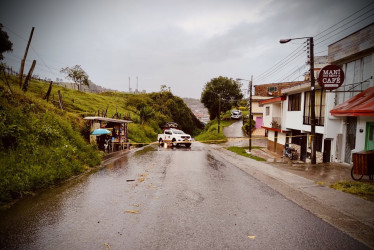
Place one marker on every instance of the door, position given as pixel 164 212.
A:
pixel 369 138
pixel 303 147
pixel 258 122
pixel 326 150
pixel 350 139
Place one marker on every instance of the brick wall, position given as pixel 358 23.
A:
pixel 279 147
pixel 262 90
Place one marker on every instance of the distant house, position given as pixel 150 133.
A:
pixel 273 89
pixel 257 110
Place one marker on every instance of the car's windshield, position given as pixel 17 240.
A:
pixel 178 131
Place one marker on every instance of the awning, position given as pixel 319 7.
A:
pixel 359 105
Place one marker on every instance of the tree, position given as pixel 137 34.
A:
pixel 227 88
pixel 145 112
pixel 5 43
pixel 77 75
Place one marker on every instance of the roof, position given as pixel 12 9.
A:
pixel 105 119
pixel 359 105
pixel 272 100
pixel 304 86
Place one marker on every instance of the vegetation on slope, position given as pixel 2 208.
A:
pixel 40 144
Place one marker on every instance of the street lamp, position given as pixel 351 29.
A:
pixel 312 93
pixel 250 111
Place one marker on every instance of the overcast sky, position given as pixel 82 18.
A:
pixel 181 44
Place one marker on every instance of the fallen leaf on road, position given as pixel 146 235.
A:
pixel 136 205
pixel 141 179
pixel 252 237
pixel 107 246
pixel 132 211
pixel 156 197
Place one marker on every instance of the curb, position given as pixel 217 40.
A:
pixel 348 213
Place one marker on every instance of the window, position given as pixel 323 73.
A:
pixel 320 97
pixel 267 111
pixel 294 102
pixel 272 89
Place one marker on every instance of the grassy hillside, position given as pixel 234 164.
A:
pixel 40 144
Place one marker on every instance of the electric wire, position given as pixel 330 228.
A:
pixel 280 65
pixel 280 62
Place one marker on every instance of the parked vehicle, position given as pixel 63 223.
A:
pixel 236 114
pixel 290 152
pixel 174 136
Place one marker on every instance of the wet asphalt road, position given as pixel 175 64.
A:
pixel 157 198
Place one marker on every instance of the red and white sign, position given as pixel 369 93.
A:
pixel 331 77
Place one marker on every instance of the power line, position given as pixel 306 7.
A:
pixel 343 30
pixel 288 59
pixel 283 64
pixel 343 20
pixel 281 61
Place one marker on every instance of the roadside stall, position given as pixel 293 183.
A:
pixel 109 134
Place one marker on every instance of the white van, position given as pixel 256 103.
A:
pixel 236 114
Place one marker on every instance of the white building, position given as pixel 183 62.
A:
pixel 350 125
pixel 344 117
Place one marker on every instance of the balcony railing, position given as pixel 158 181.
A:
pixel 320 121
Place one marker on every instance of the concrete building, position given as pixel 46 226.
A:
pixel 350 125
pixel 344 117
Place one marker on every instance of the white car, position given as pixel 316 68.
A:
pixel 174 136
pixel 236 114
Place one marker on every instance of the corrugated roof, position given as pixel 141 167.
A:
pixel 359 105
pixel 105 119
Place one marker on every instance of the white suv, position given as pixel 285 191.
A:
pixel 236 114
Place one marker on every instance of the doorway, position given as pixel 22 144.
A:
pixel 369 137
pixel 326 150
pixel 350 138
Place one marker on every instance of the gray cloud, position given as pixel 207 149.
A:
pixel 181 44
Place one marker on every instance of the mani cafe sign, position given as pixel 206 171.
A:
pixel 331 77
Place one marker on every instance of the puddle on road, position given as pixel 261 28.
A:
pixel 214 163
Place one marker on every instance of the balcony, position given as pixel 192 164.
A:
pixel 276 123
pixel 320 121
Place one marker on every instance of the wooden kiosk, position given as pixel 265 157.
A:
pixel 118 139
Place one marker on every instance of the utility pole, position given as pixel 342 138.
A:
pixel 250 114
pixel 137 91
pixel 28 77
pixel 312 101
pixel 129 86
pixel 219 112
pixel 24 58
pixel 312 95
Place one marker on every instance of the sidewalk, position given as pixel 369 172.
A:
pixel 302 183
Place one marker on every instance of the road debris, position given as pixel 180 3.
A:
pixel 132 211
pixel 252 237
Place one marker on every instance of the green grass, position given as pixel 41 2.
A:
pixel 241 151
pixel 210 133
pixel 354 187
pixel 40 144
